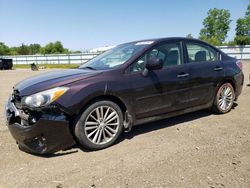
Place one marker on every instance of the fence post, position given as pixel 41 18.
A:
pixel 69 58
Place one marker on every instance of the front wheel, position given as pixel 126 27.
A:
pixel 224 98
pixel 99 125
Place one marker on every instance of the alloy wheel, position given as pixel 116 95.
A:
pixel 101 125
pixel 226 97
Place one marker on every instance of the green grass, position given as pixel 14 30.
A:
pixel 47 66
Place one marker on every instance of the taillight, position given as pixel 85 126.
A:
pixel 239 64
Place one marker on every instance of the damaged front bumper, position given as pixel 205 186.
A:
pixel 48 134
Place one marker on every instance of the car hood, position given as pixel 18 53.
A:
pixel 52 79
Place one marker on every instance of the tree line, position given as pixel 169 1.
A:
pixel 215 28
pixel 50 48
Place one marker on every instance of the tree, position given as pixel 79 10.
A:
pixel 243 29
pixel 34 48
pixel 242 40
pixel 54 48
pixel 189 36
pixel 75 52
pixel 47 49
pixel 216 26
pixel 4 50
pixel 58 48
pixel 23 50
pixel 229 43
pixel 13 51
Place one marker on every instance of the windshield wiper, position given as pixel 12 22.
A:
pixel 91 68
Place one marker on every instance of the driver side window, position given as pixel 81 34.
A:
pixel 170 53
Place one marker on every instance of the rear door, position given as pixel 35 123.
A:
pixel 206 71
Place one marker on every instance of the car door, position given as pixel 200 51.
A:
pixel 205 72
pixel 163 90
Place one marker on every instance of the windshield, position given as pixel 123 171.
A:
pixel 116 56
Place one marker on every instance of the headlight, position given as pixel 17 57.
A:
pixel 44 98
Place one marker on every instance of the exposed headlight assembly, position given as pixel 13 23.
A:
pixel 44 98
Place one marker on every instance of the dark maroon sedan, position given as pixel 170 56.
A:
pixel 130 84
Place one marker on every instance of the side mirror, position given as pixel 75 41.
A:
pixel 154 64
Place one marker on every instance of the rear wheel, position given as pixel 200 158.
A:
pixel 99 125
pixel 224 98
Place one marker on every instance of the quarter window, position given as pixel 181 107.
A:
pixel 170 53
pixel 200 53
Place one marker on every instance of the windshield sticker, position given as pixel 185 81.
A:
pixel 144 42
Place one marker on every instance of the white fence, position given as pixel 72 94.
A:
pixel 52 58
pixel 240 52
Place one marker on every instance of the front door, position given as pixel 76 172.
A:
pixel 163 90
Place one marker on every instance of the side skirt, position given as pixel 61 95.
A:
pixel 171 114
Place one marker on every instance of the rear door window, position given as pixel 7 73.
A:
pixel 200 53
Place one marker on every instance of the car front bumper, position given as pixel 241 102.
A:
pixel 49 134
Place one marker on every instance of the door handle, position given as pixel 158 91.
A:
pixel 218 68
pixel 183 75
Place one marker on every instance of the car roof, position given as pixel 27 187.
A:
pixel 166 38
pixel 158 40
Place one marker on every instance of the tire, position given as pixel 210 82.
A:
pixel 99 125
pixel 224 99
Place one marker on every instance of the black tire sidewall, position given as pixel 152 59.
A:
pixel 79 128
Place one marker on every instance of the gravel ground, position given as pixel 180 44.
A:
pixel 194 150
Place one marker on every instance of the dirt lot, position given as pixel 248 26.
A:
pixel 194 150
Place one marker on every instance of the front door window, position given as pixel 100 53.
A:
pixel 169 52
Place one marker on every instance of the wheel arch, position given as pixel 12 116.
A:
pixel 112 98
pixel 115 99
pixel 227 80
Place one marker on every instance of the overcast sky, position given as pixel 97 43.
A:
pixel 88 24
